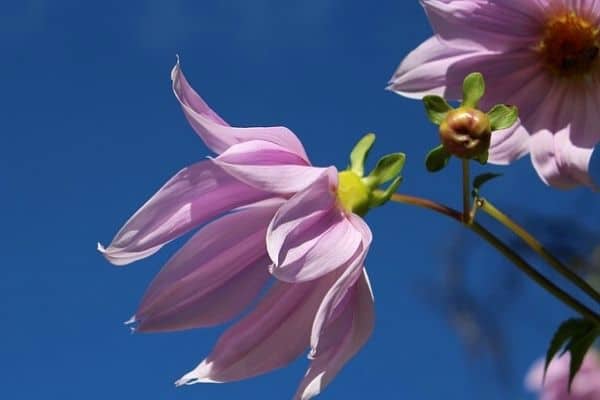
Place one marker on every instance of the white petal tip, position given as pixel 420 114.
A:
pixel 100 248
pixel 200 374
pixel 176 68
pixel 130 321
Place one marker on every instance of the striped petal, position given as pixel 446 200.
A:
pixel 213 277
pixel 268 166
pixel 310 236
pixel 193 196
pixel 270 337
pixel 215 132
pixel 346 334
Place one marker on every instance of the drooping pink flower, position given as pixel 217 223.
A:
pixel 542 56
pixel 585 386
pixel 267 211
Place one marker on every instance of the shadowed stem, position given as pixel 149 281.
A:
pixel 537 247
pixel 509 253
pixel 466 192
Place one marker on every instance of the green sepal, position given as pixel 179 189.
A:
pixel 436 108
pixel 579 335
pixel 481 179
pixel 379 198
pixel 360 152
pixel 503 116
pixel 482 158
pixel 437 159
pixel 473 89
pixel 387 168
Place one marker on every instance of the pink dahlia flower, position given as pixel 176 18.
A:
pixel 543 56
pixel 261 185
pixel 585 386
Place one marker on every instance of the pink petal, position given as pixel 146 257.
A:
pixel 270 337
pixel 194 195
pixel 586 384
pixel 215 132
pixel 213 277
pixel 494 25
pixel 310 236
pixel 348 332
pixel 332 302
pixel 560 151
pixel 268 166
pixel 423 71
pixel 521 87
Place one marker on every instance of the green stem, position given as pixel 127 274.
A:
pixel 466 192
pixel 537 247
pixel 523 265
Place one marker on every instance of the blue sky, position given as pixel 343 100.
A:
pixel 91 129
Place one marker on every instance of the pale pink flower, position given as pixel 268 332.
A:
pixel 541 56
pixel 268 211
pixel 585 386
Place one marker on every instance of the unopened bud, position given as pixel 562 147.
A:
pixel 466 132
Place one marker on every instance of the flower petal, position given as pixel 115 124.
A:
pixel 423 71
pixel 333 300
pixel 268 166
pixel 348 332
pixel 213 277
pixel 215 132
pixel 270 337
pixel 564 136
pixel 494 25
pixel 194 195
pixel 310 236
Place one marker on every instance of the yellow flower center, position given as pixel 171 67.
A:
pixel 570 45
pixel 352 193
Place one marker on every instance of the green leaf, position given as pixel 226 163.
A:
pixel 387 168
pixel 360 152
pixel 579 334
pixel 473 89
pixel 481 179
pixel 578 348
pixel 565 331
pixel 503 116
pixel 436 108
pixel 437 159
pixel 482 158
pixel 379 198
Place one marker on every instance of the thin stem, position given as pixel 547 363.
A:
pixel 523 265
pixel 429 204
pixel 540 279
pixel 537 247
pixel 466 191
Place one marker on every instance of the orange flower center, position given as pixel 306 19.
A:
pixel 570 45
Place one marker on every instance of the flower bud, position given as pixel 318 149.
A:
pixel 466 132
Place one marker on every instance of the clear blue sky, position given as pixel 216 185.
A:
pixel 91 129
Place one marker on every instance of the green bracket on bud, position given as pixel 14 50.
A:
pixel 465 132
pixel 387 168
pixel 473 90
pixel 379 198
pixel 360 152
pixel 437 159
pixel 358 193
pixel 503 116
pixel 436 108
pixel 482 158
